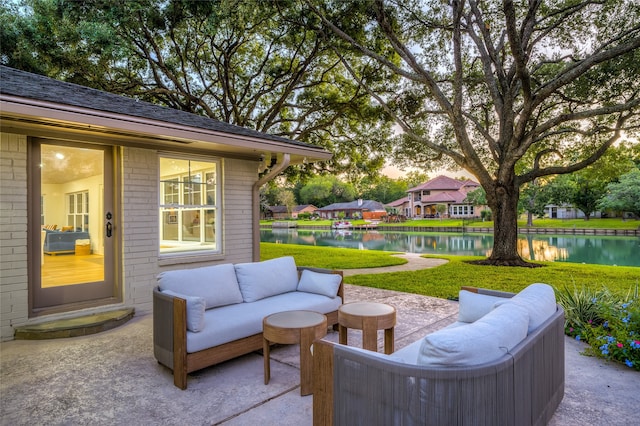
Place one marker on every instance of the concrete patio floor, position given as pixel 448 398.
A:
pixel 112 378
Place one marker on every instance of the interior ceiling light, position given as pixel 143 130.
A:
pixel 60 156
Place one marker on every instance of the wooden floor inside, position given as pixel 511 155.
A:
pixel 68 269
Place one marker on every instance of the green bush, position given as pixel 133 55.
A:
pixel 608 323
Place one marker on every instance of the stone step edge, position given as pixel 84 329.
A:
pixel 76 326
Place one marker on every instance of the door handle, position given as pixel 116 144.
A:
pixel 109 228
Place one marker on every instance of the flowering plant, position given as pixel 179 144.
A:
pixel 609 324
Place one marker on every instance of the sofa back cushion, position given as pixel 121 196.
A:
pixel 473 306
pixel 539 300
pixel 217 285
pixel 319 283
pixel 485 340
pixel 258 280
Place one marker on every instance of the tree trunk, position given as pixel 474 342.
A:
pixel 504 206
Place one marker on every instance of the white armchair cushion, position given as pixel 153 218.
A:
pixel 195 310
pixel 258 280
pixel 539 300
pixel 216 284
pixel 485 340
pixel 473 306
pixel 319 283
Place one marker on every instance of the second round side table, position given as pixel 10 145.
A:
pixel 368 317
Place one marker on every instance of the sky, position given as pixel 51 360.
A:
pixel 395 173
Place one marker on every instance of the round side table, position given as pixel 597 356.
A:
pixel 291 327
pixel 368 317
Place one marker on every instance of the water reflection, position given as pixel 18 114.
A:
pixel 600 250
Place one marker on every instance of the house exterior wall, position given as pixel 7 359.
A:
pixel 139 221
pixel 14 304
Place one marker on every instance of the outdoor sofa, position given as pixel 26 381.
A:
pixel 207 315
pixel 502 363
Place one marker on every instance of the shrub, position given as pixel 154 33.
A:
pixel 609 324
pixel 486 215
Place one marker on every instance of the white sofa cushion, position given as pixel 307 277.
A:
pixel 485 340
pixel 474 306
pixel 195 310
pixel 216 284
pixel 319 283
pixel 233 322
pixel 539 300
pixel 258 280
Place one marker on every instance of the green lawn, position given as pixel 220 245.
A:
pixel 330 257
pixel 445 281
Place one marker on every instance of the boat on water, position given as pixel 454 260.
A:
pixel 342 224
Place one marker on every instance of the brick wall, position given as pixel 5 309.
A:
pixel 13 233
pixel 139 227
pixel 239 177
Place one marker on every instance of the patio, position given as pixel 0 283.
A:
pixel 113 378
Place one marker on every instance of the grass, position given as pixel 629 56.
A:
pixel 330 257
pixel 445 281
pixel 595 223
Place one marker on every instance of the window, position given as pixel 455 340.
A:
pixel 189 205
pixel 78 210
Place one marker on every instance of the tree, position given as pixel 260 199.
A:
pixel 477 197
pixel 415 178
pixel 384 189
pixel 324 190
pixel 624 196
pixel 584 189
pixel 509 91
pixel 534 197
pixel 256 66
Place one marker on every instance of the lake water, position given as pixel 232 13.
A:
pixel 599 250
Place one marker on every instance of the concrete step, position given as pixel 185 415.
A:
pixel 73 327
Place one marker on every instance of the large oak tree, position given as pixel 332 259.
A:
pixel 510 91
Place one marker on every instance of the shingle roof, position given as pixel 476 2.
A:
pixel 446 197
pixel 33 86
pixel 397 202
pixel 442 183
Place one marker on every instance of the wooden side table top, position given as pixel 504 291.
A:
pixel 353 313
pixel 294 319
pixel 368 317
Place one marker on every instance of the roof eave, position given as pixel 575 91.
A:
pixel 22 114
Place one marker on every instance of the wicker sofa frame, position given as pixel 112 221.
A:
pixel 170 336
pixel 356 387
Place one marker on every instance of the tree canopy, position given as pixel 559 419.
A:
pixel 256 65
pixel 509 91
pixel 624 195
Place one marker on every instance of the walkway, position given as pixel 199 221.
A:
pixel 414 262
pixel 112 378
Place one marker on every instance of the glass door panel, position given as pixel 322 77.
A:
pixel 75 255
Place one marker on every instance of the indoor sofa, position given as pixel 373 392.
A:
pixel 57 242
pixel 501 363
pixel 207 315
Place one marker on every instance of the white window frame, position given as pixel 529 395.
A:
pixel 189 226
pixel 78 210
